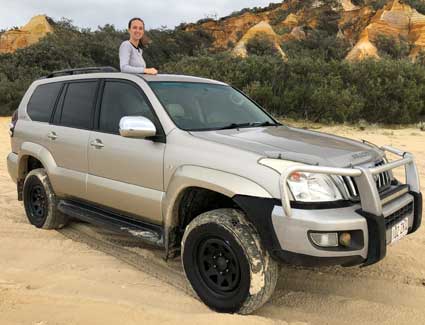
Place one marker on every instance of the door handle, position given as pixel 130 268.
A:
pixel 97 144
pixel 52 135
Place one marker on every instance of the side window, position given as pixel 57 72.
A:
pixel 122 99
pixel 42 101
pixel 78 104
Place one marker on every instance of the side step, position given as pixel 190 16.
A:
pixel 113 221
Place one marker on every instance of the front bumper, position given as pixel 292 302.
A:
pixel 296 248
pixel 284 226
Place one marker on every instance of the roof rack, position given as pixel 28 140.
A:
pixel 80 71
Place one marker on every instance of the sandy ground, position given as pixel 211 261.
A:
pixel 82 275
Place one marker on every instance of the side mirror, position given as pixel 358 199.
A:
pixel 136 127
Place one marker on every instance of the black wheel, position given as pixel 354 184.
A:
pixel 40 201
pixel 218 265
pixel 37 202
pixel 225 263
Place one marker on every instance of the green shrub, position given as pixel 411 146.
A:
pixel 318 43
pixel 263 93
pixel 314 84
pixel 420 58
pixel 329 17
pixel 281 30
pixel 392 47
pixel 377 4
pixel 386 91
pixel 419 5
pixel 261 44
pixel 279 16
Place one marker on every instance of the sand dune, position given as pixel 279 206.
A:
pixel 83 275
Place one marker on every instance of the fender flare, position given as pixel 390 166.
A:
pixel 187 176
pixel 29 149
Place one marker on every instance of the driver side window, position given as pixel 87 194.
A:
pixel 122 99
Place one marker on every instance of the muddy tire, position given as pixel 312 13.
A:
pixel 40 201
pixel 225 263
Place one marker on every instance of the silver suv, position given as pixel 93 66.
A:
pixel 196 167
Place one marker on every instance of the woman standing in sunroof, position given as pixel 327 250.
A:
pixel 131 51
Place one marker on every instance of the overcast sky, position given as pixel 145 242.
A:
pixel 92 13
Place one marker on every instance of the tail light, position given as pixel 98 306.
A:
pixel 13 123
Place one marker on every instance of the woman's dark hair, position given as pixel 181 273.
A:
pixel 144 40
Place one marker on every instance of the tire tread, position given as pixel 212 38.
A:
pixel 234 221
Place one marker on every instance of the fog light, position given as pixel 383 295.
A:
pixel 345 239
pixel 325 239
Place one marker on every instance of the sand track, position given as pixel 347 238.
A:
pixel 86 275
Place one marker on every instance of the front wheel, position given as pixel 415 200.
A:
pixel 225 263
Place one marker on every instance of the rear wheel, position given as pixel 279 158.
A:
pixel 226 264
pixel 40 201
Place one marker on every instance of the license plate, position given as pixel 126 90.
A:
pixel 399 230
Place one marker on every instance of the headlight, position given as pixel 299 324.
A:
pixel 313 187
pixel 307 187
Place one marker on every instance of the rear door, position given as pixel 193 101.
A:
pixel 68 136
pixel 39 109
pixel 125 173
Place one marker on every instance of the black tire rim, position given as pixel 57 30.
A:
pixel 218 266
pixel 37 204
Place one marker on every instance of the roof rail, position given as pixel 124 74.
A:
pixel 80 71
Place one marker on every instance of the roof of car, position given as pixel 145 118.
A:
pixel 146 77
pixel 178 78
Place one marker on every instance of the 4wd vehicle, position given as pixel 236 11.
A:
pixel 196 167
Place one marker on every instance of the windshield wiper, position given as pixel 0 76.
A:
pixel 250 124
pixel 235 125
pixel 265 124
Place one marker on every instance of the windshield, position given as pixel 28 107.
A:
pixel 202 106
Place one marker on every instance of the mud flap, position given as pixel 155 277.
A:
pixel 418 206
pixel 259 212
pixel 377 248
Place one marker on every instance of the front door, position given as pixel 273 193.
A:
pixel 125 174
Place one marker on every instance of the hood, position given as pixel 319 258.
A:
pixel 305 146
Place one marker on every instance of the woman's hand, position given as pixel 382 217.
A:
pixel 151 71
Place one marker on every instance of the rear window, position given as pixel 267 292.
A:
pixel 42 101
pixel 78 105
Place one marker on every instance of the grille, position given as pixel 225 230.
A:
pixel 351 186
pixel 382 180
pixel 397 216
